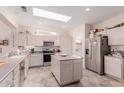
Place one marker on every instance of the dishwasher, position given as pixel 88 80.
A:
pixel 22 72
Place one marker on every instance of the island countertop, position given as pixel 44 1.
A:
pixel 68 57
pixel 10 64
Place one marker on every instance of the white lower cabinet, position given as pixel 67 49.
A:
pixel 16 76
pixel 70 71
pixel 36 59
pixel 66 72
pixel 13 79
pixel 77 70
pixel 8 81
pixel 114 66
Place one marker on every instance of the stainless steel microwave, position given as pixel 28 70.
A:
pixel 48 43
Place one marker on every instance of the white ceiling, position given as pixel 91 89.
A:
pixel 78 14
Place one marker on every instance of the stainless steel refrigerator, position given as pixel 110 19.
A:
pixel 96 48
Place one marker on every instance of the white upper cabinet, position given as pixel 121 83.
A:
pixel 23 39
pixel 116 36
pixel 35 40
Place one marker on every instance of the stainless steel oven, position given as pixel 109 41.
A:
pixel 48 50
pixel 47 58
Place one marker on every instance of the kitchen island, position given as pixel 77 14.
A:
pixel 66 69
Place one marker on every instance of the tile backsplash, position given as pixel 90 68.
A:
pixel 119 47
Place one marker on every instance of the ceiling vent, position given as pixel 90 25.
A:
pixel 24 9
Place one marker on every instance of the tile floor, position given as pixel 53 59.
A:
pixel 42 77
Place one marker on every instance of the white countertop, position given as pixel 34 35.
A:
pixel 68 57
pixel 114 56
pixel 10 64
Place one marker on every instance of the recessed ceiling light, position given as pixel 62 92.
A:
pixel 87 9
pixel 50 15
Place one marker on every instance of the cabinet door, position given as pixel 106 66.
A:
pixel 36 60
pixel 8 81
pixel 113 66
pixel 17 79
pixel 55 68
pixel 115 36
pixel 77 69
pixel 66 73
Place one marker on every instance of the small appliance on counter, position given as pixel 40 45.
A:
pixel 117 53
pixel 32 50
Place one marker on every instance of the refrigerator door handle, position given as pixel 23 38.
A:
pixel 90 51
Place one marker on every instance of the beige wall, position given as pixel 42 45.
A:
pixel 111 21
pixel 8 26
pixel 78 33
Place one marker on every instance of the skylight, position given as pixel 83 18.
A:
pixel 50 15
